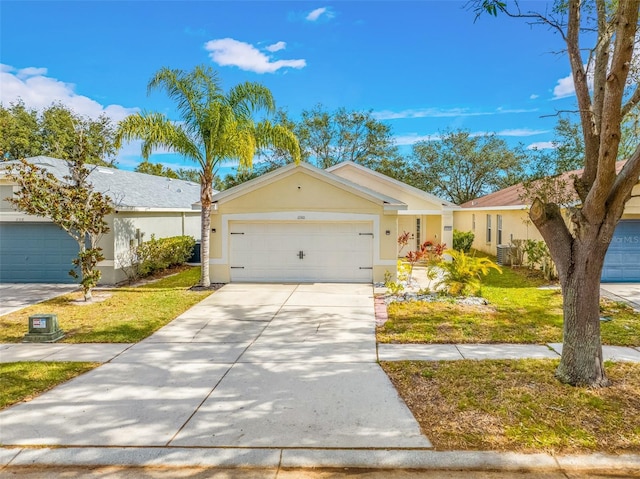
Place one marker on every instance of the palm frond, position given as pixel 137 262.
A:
pixel 278 136
pixel 248 97
pixel 157 131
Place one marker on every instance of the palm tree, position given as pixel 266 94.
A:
pixel 214 126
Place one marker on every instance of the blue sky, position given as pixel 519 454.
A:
pixel 422 66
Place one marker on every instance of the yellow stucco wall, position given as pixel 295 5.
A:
pixel 296 195
pixel 368 180
pixel 515 225
pixel 299 191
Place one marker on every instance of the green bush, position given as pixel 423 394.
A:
pixel 463 274
pixel 463 240
pixel 538 256
pixel 158 254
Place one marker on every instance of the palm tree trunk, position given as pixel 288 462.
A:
pixel 205 199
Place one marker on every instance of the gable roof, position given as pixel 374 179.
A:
pixel 392 181
pixel 513 195
pixel 263 180
pixel 129 189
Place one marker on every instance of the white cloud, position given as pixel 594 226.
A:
pixel 314 15
pixel 277 47
pixel 230 52
pixel 521 132
pixel 39 91
pixel 534 96
pixel 411 138
pixel 443 113
pixel 564 88
pixel 31 71
pixel 543 145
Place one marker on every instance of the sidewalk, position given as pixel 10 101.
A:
pixel 452 352
pixel 103 353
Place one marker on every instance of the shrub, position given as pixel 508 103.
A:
pixel 538 256
pixel 463 240
pixel 463 274
pixel 159 254
pixel 403 241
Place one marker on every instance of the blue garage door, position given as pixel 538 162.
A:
pixel 35 253
pixel 622 263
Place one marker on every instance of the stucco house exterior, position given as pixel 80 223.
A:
pixel 501 217
pixel 427 217
pixel 301 223
pixel 33 249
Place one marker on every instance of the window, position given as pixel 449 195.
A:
pixel 417 233
pixel 473 222
pixel 499 226
pixel 488 228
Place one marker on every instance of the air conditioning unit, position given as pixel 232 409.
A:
pixel 505 254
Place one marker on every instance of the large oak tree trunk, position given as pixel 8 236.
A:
pixel 579 258
pixel 581 362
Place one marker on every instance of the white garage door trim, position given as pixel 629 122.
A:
pixel 301 216
pixel 296 251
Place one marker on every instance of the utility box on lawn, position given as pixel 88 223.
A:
pixel 43 328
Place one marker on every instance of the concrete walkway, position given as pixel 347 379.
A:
pixel 293 366
pixel 102 353
pixel 452 352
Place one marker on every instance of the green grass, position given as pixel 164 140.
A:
pixel 519 312
pixel 519 406
pixel 128 315
pixel 24 380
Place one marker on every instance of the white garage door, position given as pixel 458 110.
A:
pixel 301 252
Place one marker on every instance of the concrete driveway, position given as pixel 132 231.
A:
pixel 15 296
pixel 626 292
pixel 251 366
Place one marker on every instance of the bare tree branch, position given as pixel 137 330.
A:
pixel 632 102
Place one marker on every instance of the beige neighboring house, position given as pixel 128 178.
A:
pixel 303 224
pixel 501 217
pixel 34 250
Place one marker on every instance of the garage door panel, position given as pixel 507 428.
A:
pixel 622 262
pixel 331 252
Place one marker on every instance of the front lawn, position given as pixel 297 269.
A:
pixel 127 315
pixel 520 310
pixel 508 405
pixel 24 380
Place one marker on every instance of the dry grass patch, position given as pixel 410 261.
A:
pixel 128 315
pixel 518 405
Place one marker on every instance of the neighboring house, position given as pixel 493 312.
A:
pixel 301 223
pixel 501 217
pixel 33 249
